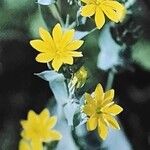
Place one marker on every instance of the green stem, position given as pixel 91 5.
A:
pixel 110 79
pixel 92 30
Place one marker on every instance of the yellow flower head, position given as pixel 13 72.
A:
pixel 38 129
pixel 100 109
pixel 60 48
pixel 111 8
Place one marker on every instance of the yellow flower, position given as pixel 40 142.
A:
pixel 111 8
pixel 60 48
pixel 100 109
pixel 38 129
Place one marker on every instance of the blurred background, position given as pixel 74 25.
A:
pixel 21 91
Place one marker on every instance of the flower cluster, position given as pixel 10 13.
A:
pixel 58 50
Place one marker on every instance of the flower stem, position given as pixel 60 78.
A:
pixel 110 79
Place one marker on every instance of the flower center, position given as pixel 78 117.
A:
pixel 98 110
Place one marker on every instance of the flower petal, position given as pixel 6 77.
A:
pixel 113 109
pixel 53 135
pixel 44 115
pixel 32 116
pixel 117 7
pixel 88 10
pixel 88 97
pixel 91 123
pixel 40 45
pixel 44 57
pixel 57 63
pixel 36 144
pixel 57 33
pixel 76 44
pixel 44 34
pixel 67 37
pixel 99 94
pixel 99 18
pixel 74 54
pixel 24 145
pixel 67 60
pixel 102 129
pixel 51 122
pixel 111 121
pixel 108 97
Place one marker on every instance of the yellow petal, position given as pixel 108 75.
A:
pixel 67 60
pixel 44 57
pixel 99 18
pixel 99 94
pixel 89 1
pixel 57 63
pixel 89 110
pixel 88 97
pixel 24 124
pixel 75 54
pixel 53 135
pixel 91 123
pixel 52 122
pixel 88 10
pixel 44 34
pixel 40 45
pixel 36 144
pixel 32 116
pixel 57 33
pixel 108 97
pixel 44 115
pixel 76 44
pixel 102 129
pixel 67 37
pixel 24 145
pixel 117 7
pixel 111 121
pixel 113 109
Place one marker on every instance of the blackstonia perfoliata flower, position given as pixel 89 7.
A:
pixel 38 129
pixel 111 8
pixel 101 109
pixel 60 48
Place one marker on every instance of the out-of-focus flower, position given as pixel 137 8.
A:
pixel 111 8
pixel 38 129
pixel 100 109
pixel 60 48
pixel 79 78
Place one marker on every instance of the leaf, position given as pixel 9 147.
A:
pixel 46 2
pixel 70 109
pixel 109 54
pixel 57 85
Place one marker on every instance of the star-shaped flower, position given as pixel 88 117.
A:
pixel 60 48
pixel 38 129
pixel 111 8
pixel 101 109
